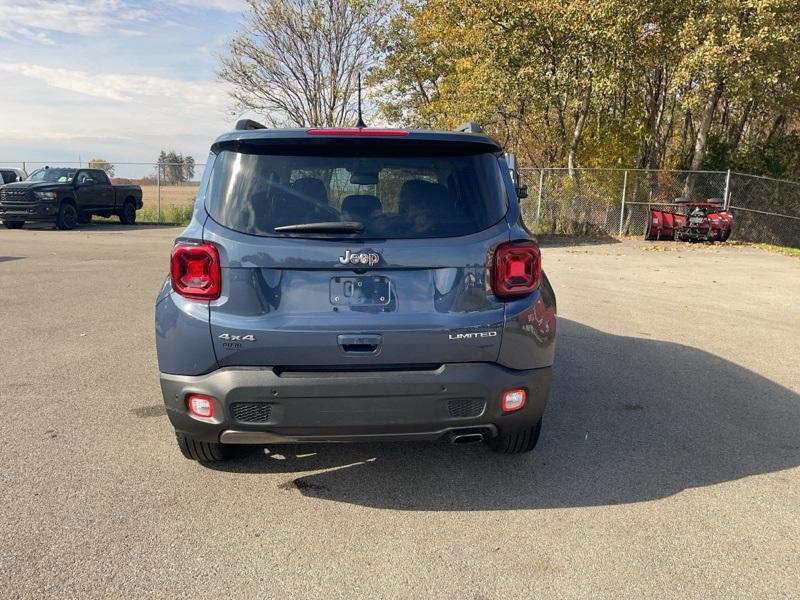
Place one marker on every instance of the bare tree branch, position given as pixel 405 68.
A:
pixel 297 61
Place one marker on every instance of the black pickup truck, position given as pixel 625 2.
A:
pixel 67 197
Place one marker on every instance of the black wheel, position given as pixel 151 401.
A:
pixel 13 224
pixel 84 218
pixel 516 442
pixel 204 452
pixel 67 216
pixel 724 235
pixel 127 216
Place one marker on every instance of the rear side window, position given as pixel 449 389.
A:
pixel 99 177
pixel 392 196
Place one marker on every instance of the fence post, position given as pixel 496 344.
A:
pixel 158 192
pixel 539 203
pixel 622 208
pixel 726 202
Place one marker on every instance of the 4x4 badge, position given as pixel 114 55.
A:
pixel 360 258
pixel 237 338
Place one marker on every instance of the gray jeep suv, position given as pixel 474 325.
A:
pixel 355 285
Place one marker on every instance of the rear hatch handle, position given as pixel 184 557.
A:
pixel 360 343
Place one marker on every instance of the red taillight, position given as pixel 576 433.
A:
pixel 357 131
pixel 517 269
pixel 195 271
pixel 513 400
pixel 200 406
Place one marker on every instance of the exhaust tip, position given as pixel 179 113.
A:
pixel 466 438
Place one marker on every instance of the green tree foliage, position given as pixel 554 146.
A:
pixel 670 84
pixel 174 168
pixel 101 163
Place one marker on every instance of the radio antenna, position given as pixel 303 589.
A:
pixel 360 123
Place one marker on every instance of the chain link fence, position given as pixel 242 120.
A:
pixel 617 201
pixel 591 202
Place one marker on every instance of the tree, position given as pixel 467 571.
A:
pixel 188 168
pixel 174 168
pixel 101 163
pixel 669 84
pixel 297 61
pixel 529 71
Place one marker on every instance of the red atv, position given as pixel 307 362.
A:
pixel 699 222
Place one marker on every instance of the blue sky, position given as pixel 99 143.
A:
pixel 117 79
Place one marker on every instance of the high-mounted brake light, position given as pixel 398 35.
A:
pixel 517 269
pixel 356 131
pixel 195 271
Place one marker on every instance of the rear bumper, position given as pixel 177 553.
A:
pixel 353 405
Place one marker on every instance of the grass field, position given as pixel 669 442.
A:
pixel 785 250
pixel 170 194
pixel 176 204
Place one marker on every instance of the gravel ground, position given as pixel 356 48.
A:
pixel 667 467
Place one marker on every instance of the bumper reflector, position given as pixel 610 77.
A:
pixel 200 406
pixel 513 400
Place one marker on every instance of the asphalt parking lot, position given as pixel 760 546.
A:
pixel 669 464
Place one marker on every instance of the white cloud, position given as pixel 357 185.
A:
pixel 120 87
pixel 78 89
pixel 58 112
pixel 224 5
pixel 37 20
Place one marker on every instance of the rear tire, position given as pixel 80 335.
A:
pixel 516 442
pixel 127 216
pixel 725 235
pixel 67 217
pixel 204 452
pixel 13 224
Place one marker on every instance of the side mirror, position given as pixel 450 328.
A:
pixel 522 191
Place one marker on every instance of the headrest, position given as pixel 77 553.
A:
pixel 362 206
pixel 417 193
pixel 311 190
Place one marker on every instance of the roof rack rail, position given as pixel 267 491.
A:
pixel 245 124
pixel 469 127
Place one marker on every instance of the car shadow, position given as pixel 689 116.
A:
pixel 630 420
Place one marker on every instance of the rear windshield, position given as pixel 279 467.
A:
pixel 388 197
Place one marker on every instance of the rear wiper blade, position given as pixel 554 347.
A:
pixel 327 227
